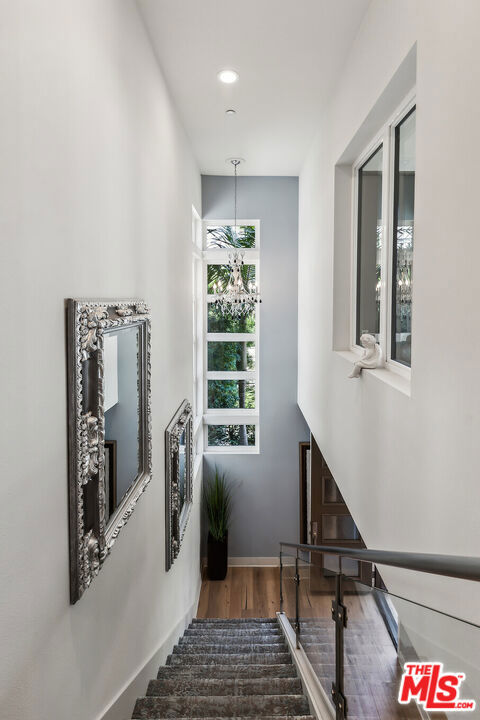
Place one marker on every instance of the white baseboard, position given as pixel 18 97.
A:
pixel 122 705
pixel 253 562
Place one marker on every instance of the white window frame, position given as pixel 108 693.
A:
pixel 386 138
pixel 230 416
pixel 197 331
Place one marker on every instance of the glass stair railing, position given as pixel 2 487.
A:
pixel 376 655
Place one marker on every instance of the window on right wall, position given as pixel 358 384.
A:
pixel 384 178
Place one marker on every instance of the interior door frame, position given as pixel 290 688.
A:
pixel 303 447
pixel 318 465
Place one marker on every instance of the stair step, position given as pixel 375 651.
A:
pixel 322 622
pixel 207 686
pixel 235 624
pixel 215 633
pixel 230 647
pixel 234 621
pixel 211 706
pixel 228 671
pixel 263 717
pixel 229 625
pixel 253 639
pixel 229 659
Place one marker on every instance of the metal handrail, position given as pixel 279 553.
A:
pixel 465 568
pixel 456 566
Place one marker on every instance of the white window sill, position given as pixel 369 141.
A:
pixel 389 374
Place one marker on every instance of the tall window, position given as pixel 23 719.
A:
pixel 231 401
pixel 385 202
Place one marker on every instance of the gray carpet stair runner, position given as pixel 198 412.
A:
pixel 227 669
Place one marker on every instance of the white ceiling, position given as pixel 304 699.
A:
pixel 289 54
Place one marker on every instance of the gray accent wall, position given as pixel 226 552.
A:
pixel 266 492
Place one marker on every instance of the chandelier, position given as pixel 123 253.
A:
pixel 238 297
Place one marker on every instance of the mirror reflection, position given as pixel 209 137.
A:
pixel 122 413
pixel 182 460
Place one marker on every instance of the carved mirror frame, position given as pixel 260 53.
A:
pixel 176 516
pixel 91 537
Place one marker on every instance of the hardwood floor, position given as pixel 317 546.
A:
pixel 372 671
pixel 246 592
pixel 250 592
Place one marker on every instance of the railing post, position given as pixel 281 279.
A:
pixel 281 581
pixel 297 617
pixel 339 616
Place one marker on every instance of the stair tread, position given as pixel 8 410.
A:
pixel 231 647
pixel 229 659
pixel 228 671
pixel 234 687
pixel 200 631
pixel 256 627
pixel 234 621
pixel 225 706
pixel 236 640
pixel 235 625
pixel 239 717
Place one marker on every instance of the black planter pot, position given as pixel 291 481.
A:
pixel 217 556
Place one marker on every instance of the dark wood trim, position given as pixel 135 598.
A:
pixel 302 471
pixel 321 509
pixel 112 479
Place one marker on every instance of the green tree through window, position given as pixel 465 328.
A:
pixel 230 356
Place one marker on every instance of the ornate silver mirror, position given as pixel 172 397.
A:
pixel 179 479
pixel 109 426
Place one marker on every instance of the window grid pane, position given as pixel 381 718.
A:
pixel 231 394
pixel 231 435
pixel 218 323
pixel 403 231
pixel 218 276
pixel 369 245
pixel 219 237
pixel 231 356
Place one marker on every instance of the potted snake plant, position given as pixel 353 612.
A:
pixel 217 498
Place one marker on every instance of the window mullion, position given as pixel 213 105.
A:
pixel 354 260
pixel 386 243
pixel 231 337
pixel 390 238
pixel 205 342
pixel 231 375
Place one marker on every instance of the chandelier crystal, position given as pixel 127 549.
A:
pixel 238 297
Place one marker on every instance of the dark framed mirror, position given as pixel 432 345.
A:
pixel 108 349
pixel 179 479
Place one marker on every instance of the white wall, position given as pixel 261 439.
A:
pixel 96 187
pixel 406 465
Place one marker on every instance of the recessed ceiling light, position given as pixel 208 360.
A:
pixel 228 76
pixel 230 111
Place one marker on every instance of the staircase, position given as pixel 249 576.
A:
pixel 227 669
